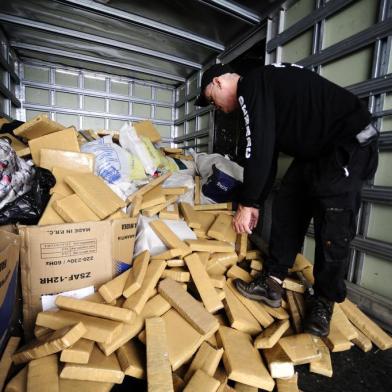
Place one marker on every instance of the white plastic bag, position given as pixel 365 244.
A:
pixel 146 239
pixel 132 143
pixel 113 163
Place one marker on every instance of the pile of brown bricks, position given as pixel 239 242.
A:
pixel 176 319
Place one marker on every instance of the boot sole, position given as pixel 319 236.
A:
pixel 270 302
pixel 314 333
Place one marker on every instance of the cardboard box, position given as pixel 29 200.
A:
pixel 66 257
pixel 9 259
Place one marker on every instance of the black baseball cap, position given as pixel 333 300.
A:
pixel 208 75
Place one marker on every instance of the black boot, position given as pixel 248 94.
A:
pixel 318 315
pixel 262 288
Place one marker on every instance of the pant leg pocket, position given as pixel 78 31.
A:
pixel 337 232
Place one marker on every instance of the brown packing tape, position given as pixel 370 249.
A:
pixel 65 140
pixel 49 344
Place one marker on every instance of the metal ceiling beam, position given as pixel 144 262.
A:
pixel 96 39
pixel 95 60
pixel 233 9
pixel 145 22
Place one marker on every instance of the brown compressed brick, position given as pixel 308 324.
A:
pixel 43 371
pixel 202 281
pixel 159 376
pixel 271 335
pixel 113 289
pixel 242 361
pixel 300 348
pixel 222 229
pixel 137 300
pixel 192 310
pixel 137 274
pixel 132 359
pixel 202 382
pixel 49 344
pixel 99 368
pixel 322 366
pixel 98 329
pixel 79 352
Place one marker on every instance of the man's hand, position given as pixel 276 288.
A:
pixel 245 219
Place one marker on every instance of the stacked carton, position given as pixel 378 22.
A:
pixel 176 319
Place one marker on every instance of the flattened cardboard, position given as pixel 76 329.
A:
pixel 95 193
pixel 79 352
pixel 63 140
pixel 99 368
pixel 70 160
pixel 61 258
pixel 45 368
pixel 50 344
pixel 38 126
pixel 95 309
pixel 9 259
pixel 98 329
pixel 132 359
pixel 242 361
pixel 50 216
pixel 192 310
pixel 159 376
pixel 73 210
pixel 202 382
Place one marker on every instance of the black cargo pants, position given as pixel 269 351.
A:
pixel 328 190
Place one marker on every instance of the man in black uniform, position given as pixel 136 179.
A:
pixel 327 130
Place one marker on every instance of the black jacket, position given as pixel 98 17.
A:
pixel 295 111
